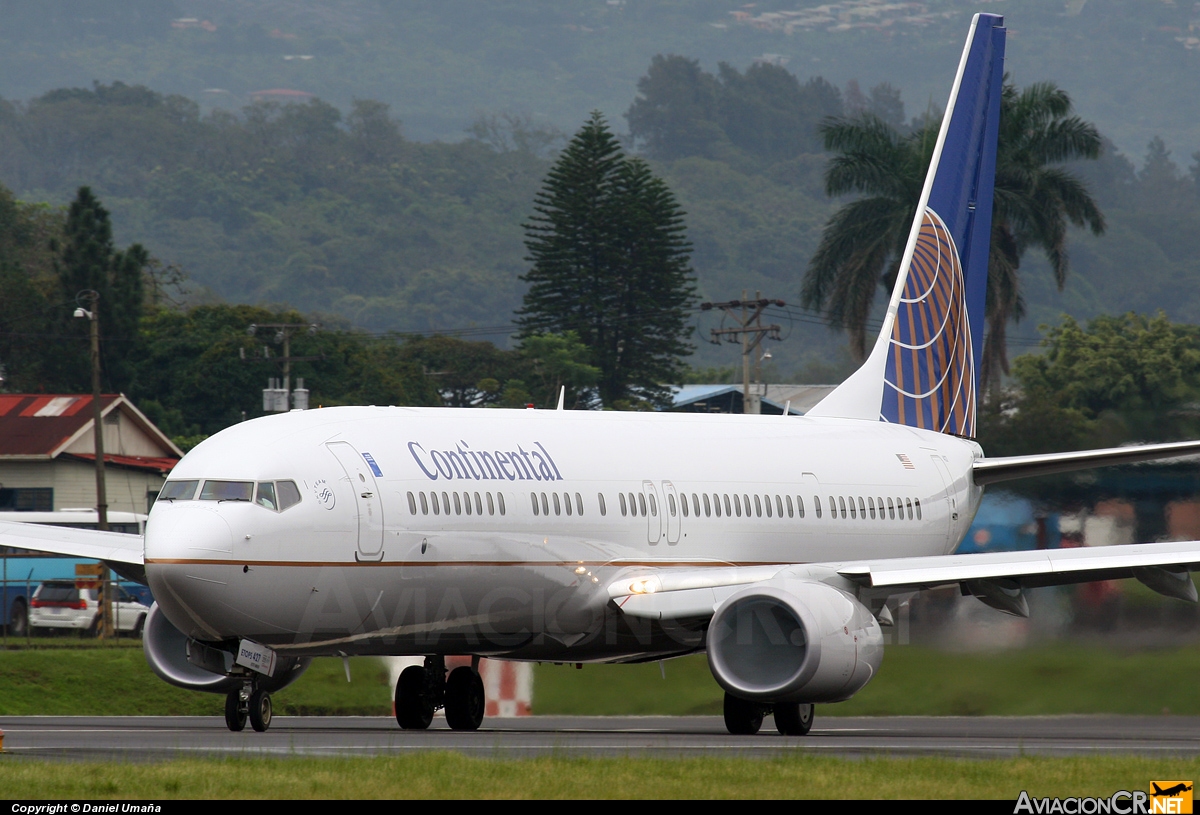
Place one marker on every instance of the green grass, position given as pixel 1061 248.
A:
pixel 450 775
pixel 89 679
pixel 1055 679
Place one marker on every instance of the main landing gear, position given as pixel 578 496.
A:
pixel 248 703
pixel 744 718
pixel 421 690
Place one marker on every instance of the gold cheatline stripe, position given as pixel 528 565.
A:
pixel 428 564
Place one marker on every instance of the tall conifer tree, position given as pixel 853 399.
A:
pixel 611 262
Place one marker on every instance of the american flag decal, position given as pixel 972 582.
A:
pixel 929 381
pixel 906 461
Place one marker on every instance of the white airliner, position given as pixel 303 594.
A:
pixel 779 545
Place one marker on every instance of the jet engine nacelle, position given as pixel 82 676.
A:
pixel 793 641
pixel 166 650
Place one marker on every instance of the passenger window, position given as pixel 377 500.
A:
pixel 479 505
pixel 533 495
pixel 545 505
pixel 567 501
pixel 707 509
pixel 779 506
pixel 445 503
pixel 424 505
pixel 653 506
pixel 833 508
pixel 852 513
pixel 227 491
pixel 491 505
pixel 433 496
pixel 457 505
pixel 800 506
pixel 737 505
pixel 671 504
pixel 557 507
pixel 600 501
pixel 728 506
pixel 908 505
pixel 266 495
pixel 891 510
pixel 500 499
pixel 816 506
pixel 791 508
pixel 178 490
pixel 633 505
pixel 412 504
pixel 467 501
pixel 842 506
pixel 917 503
pixel 696 505
pixel 683 504
pixel 641 496
pixel 578 504
pixel 862 508
pixel 621 495
pixel 758 506
pixel 871 506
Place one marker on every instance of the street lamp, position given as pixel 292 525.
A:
pixel 92 315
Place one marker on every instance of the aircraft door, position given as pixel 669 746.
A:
pixel 361 479
pixel 672 512
pixel 951 499
pixel 653 512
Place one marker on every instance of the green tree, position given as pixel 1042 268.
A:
pixel 611 263
pixel 88 260
pixel 863 242
pixel 1122 378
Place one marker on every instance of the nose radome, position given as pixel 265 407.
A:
pixel 187 530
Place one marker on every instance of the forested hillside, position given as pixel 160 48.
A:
pixel 345 210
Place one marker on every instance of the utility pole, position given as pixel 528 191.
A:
pixel 92 315
pixel 750 332
pixel 283 336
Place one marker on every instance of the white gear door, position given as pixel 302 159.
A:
pixel 366 497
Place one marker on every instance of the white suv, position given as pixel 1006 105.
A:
pixel 60 604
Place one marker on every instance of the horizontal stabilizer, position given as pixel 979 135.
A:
pixel 994 470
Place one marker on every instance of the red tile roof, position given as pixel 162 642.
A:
pixel 40 424
pixel 158 465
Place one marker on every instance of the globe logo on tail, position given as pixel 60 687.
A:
pixel 929 380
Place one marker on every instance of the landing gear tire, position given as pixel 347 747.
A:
pixel 742 717
pixel 235 712
pixel 464 699
pixel 793 718
pixel 260 710
pixel 414 707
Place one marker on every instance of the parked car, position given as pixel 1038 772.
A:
pixel 60 604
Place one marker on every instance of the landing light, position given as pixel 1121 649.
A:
pixel 648 586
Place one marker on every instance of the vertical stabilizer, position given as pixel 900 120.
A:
pixel 923 370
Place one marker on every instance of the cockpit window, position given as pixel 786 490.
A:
pixel 227 491
pixel 289 494
pixel 266 495
pixel 179 490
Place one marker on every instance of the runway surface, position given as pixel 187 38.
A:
pixel 150 738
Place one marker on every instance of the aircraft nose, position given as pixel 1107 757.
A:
pixel 188 531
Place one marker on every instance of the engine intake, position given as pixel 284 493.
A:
pixel 166 650
pixel 793 641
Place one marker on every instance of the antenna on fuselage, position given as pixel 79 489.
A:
pixel 562 397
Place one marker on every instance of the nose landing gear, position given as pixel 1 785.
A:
pixel 422 690
pixel 250 703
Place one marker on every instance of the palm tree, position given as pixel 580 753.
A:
pixel 863 242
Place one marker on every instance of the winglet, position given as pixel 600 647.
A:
pixel 923 371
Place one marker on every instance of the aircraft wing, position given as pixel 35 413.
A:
pixel 995 578
pixel 111 547
pixel 993 470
